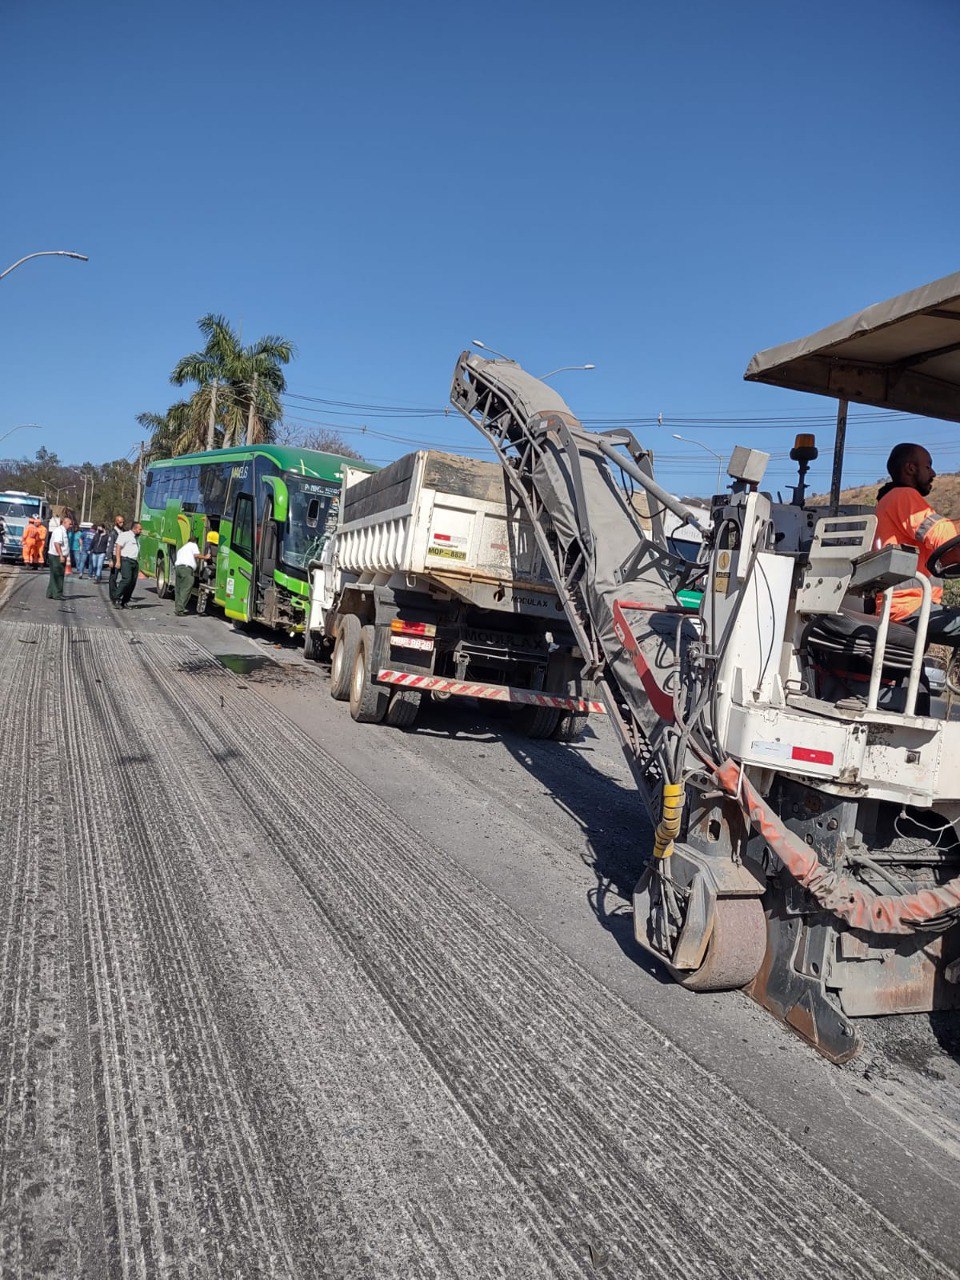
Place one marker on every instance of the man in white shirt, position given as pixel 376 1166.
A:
pixel 185 573
pixel 126 555
pixel 58 556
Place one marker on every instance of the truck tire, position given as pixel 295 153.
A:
pixel 368 701
pixel 570 726
pixel 344 656
pixel 163 578
pixel 309 645
pixel 403 709
pixel 536 722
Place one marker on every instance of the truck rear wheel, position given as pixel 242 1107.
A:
pixel 309 645
pixel 536 722
pixel 570 726
pixel 403 709
pixel 368 701
pixel 344 656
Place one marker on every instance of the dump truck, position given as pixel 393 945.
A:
pixel 432 584
pixel 803 790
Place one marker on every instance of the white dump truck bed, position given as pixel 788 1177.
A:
pixel 447 522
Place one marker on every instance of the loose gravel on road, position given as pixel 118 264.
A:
pixel 256 1025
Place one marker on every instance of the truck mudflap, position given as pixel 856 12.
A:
pixel 495 692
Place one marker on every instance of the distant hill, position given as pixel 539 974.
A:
pixel 944 496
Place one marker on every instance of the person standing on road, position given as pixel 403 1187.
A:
pixel 118 526
pixel 3 535
pixel 42 534
pixel 185 575
pixel 98 551
pixel 85 542
pixel 74 546
pixel 59 554
pixel 30 544
pixel 127 561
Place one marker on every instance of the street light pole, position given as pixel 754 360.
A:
pixel 44 253
pixel 483 347
pixel 707 448
pixel 565 368
pixel 24 426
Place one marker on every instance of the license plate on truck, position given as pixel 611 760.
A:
pixel 412 642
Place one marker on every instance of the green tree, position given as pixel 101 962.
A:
pixel 174 432
pixel 238 387
pixel 320 438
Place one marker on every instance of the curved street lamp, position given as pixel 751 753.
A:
pixel 24 426
pixel 564 368
pixel 483 347
pixel 701 445
pixel 45 253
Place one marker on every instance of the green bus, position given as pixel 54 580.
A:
pixel 269 510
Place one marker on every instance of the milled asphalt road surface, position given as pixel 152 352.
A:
pixel 288 996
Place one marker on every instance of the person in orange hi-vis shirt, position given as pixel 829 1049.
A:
pixel 41 540
pixel 30 546
pixel 906 519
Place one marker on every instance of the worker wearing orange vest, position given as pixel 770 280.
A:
pixel 31 545
pixel 906 519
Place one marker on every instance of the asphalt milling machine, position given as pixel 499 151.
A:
pixel 804 800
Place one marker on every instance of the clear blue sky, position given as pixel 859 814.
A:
pixel 659 189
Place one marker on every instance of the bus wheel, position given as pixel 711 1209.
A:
pixel 368 701
pixel 403 708
pixel 163 581
pixel 344 656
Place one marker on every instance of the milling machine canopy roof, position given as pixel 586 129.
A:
pixel 903 354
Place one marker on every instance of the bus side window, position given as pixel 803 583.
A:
pixel 241 539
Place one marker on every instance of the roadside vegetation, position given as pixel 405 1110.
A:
pixel 114 484
pixel 236 398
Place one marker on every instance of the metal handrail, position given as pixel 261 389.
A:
pixel 919 645
pixel 879 649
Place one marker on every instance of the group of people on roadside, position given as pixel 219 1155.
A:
pixel 119 550
pixel 33 542
pixel 86 547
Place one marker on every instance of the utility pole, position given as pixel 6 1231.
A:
pixel 252 415
pixel 136 505
pixel 212 420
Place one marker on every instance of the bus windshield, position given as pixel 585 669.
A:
pixel 311 518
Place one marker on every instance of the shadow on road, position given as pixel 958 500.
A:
pixel 609 813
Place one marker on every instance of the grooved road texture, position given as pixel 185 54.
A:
pixel 253 1026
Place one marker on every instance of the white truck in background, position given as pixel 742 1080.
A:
pixel 432 584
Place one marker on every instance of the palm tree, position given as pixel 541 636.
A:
pixel 239 387
pixel 177 431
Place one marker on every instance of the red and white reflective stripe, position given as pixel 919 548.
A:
pixel 786 752
pixel 496 692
